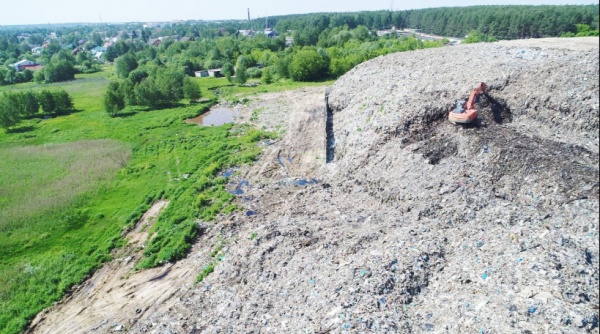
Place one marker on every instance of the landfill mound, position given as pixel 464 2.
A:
pixel 410 224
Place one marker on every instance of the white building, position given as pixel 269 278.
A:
pixel 23 64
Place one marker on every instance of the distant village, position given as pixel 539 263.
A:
pixel 97 52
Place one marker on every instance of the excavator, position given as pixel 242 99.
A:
pixel 465 112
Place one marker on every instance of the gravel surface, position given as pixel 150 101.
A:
pixel 415 225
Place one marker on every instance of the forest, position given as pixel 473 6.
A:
pixel 501 22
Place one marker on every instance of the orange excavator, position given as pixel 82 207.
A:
pixel 465 112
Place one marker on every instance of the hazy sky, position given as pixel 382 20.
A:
pixel 63 11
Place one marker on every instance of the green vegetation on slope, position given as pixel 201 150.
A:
pixel 72 184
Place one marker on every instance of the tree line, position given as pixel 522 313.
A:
pixel 15 106
pixel 501 22
pixel 334 51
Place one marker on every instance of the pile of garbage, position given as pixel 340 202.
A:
pixel 419 225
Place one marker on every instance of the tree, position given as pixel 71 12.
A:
pixel 114 101
pixel 36 39
pixel 10 75
pixel 14 100
pixel 361 33
pixel 148 94
pixel 81 57
pixel 282 64
pixel 136 76
pixel 191 90
pixel 125 64
pixel 46 101
pixel 162 88
pixel 583 30
pixel 146 33
pixel 62 102
pixel 96 39
pixel 267 76
pixel 51 49
pixel 127 91
pixel 8 117
pixel 122 48
pixel 240 74
pixel 254 72
pixel 30 104
pixel 228 70
pixel 308 64
pixel 110 54
pixel 240 70
pixel 170 82
pixel 38 76
pixel 26 75
pixel 61 70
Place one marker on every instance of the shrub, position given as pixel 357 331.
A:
pixel 191 90
pixel 308 65
pixel 113 101
pixel 254 72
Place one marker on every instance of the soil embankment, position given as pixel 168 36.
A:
pixel 413 224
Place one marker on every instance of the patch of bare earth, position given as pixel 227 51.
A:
pixel 114 294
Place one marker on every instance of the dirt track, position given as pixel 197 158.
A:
pixel 416 225
pixel 109 293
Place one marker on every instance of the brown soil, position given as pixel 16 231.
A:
pixel 114 293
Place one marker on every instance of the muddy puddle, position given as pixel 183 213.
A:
pixel 237 188
pixel 214 117
pixel 228 172
pixel 298 182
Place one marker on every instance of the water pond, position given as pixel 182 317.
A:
pixel 214 117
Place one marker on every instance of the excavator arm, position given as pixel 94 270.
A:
pixel 481 88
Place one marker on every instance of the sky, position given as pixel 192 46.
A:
pixel 15 12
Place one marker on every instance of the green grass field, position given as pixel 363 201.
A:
pixel 70 186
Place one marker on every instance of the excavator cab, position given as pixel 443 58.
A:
pixel 460 107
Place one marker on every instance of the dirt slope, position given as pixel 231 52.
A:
pixel 415 225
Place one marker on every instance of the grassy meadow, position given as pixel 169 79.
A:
pixel 71 185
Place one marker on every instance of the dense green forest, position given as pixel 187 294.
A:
pixel 502 22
